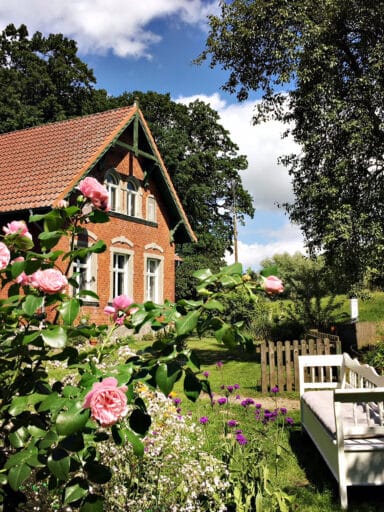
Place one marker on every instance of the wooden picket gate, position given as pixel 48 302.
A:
pixel 280 364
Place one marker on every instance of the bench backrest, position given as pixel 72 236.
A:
pixel 320 372
pixel 356 375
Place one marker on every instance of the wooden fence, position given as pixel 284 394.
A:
pixel 280 364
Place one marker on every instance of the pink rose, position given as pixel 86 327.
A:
pixel 49 281
pixel 108 403
pixel 95 192
pixel 17 227
pixel 5 255
pixel 272 285
pixel 119 307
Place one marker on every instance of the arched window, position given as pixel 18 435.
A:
pixel 131 199
pixel 112 185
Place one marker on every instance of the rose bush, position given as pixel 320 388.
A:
pixel 50 431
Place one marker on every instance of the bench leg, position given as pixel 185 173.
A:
pixel 343 496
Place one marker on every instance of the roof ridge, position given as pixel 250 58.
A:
pixel 70 119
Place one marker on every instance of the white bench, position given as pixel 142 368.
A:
pixel 342 411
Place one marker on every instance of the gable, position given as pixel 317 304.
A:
pixel 41 165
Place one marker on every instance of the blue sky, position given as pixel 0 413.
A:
pixel 150 45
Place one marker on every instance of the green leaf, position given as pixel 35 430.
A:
pixel 73 420
pixel 50 439
pixel 19 437
pixel 137 444
pixel 58 463
pixel 202 274
pixel 35 431
pixel 17 475
pixel 186 324
pixel 139 421
pixel 214 304
pixel 30 338
pixel 32 304
pixel 52 402
pixel 93 503
pixel 98 473
pixel 235 268
pixel 22 403
pixel 164 379
pixel 98 216
pixel 69 311
pixel 55 338
pixel 76 491
pixel 192 386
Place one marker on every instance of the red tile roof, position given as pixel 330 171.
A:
pixel 42 164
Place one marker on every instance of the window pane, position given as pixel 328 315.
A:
pixel 120 274
pixel 152 280
pixel 151 209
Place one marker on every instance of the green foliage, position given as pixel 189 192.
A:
pixel 319 66
pixel 49 432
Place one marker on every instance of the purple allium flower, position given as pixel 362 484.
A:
pixel 230 389
pixel 258 406
pixel 289 420
pixel 204 420
pixel 236 386
pixel 222 386
pixel 275 389
pixel 246 402
pixel 206 374
pixel 241 439
pixel 177 401
pixel 219 364
pixel 238 431
pixel 232 423
pixel 283 410
pixel 222 400
pixel 178 410
pixel 237 397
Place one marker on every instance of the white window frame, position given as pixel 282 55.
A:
pixel 132 199
pixel 157 277
pixel 127 288
pixel 89 266
pixel 113 187
pixel 151 209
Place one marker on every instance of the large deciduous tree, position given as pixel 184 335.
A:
pixel 204 165
pixel 319 65
pixel 42 80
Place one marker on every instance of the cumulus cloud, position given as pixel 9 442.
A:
pixel 287 239
pixel 268 182
pixel 98 26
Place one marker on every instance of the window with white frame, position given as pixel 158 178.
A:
pixel 112 185
pixel 84 274
pixel 153 279
pixel 84 268
pixel 151 209
pixel 131 199
pixel 121 274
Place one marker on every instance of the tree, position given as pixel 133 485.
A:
pixel 204 165
pixel 42 80
pixel 329 56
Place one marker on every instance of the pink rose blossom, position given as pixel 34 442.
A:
pixel 5 255
pixel 272 285
pixel 108 403
pixel 17 227
pixel 120 305
pixel 95 192
pixel 49 281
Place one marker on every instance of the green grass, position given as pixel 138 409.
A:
pixel 370 310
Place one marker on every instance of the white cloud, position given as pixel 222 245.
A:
pixel 120 26
pixel 287 239
pixel 268 182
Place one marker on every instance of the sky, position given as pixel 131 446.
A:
pixel 150 46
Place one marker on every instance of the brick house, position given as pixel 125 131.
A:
pixel 42 165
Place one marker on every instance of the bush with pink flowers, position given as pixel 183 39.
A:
pixel 51 432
